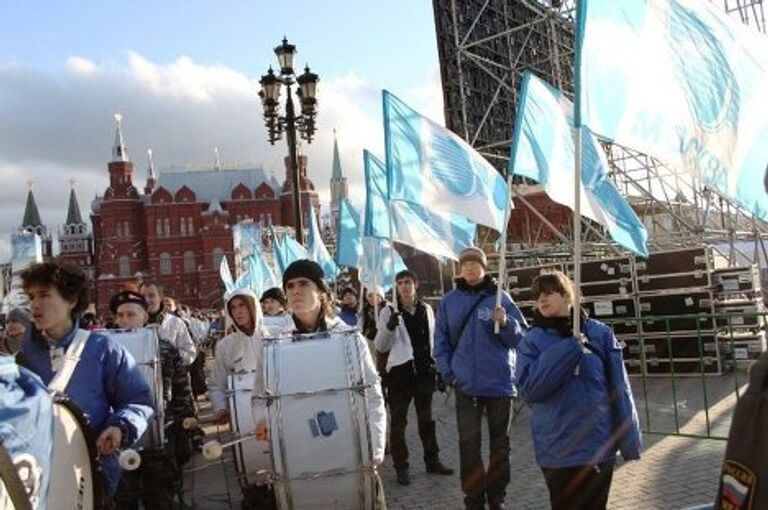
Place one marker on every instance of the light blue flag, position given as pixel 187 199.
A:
pixel 349 247
pixel 430 166
pixel 259 276
pixel 681 81
pixel 543 149
pixel 287 250
pixel 437 233
pixel 371 256
pixel 316 249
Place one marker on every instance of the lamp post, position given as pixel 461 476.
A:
pixel 291 124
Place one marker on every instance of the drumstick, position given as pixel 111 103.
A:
pixel 212 450
pixel 129 459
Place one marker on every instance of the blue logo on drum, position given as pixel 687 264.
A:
pixel 323 424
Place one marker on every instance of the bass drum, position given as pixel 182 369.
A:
pixel 75 482
pixel 251 456
pixel 13 493
pixel 320 436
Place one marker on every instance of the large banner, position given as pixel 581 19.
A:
pixel 26 249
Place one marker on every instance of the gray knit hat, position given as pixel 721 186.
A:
pixel 20 315
pixel 473 253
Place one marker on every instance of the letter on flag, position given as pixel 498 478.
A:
pixel 430 166
pixel 543 149
pixel 682 81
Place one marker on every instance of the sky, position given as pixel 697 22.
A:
pixel 184 76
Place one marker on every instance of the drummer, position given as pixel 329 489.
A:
pixel 310 300
pixel 158 478
pixel 238 352
pixel 106 382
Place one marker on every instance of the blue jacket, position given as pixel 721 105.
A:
pixel 107 386
pixel 566 387
pixel 482 363
pixel 348 315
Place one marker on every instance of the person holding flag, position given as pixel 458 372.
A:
pixel 479 363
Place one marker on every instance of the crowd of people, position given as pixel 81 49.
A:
pixel 476 342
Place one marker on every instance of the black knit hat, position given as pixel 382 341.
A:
pixel 127 296
pixel 275 293
pixel 305 268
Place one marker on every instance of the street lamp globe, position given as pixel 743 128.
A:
pixel 285 54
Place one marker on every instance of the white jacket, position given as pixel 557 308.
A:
pixel 277 324
pixel 236 353
pixel 398 342
pixel 377 414
pixel 174 330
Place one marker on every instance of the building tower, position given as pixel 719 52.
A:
pixel 75 239
pixel 119 232
pixel 33 224
pixel 339 190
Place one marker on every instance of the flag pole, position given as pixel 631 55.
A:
pixel 503 250
pixel 577 235
pixel 392 253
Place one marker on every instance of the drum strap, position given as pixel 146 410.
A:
pixel 60 381
pixel 13 484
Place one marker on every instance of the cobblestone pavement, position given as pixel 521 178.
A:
pixel 675 471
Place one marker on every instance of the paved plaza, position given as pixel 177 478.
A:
pixel 675 472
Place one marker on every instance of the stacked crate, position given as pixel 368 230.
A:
pixel 739 306
pixel 675 284
pixel 519 281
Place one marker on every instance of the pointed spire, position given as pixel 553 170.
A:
pixel 151 167
pixel 31 214
pixel 217 163
pixel 336 169
pixel 73 212
pixel 119 151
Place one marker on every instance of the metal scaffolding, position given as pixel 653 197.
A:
pixel 486 45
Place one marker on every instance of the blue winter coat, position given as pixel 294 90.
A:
pixel 482 363
pixel 566 388
pixel 107 386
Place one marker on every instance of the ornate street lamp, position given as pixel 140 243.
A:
pixel 291 123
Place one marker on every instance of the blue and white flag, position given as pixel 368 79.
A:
pixel 371 256
pixel 543 149
pixel 437 233
pixel 287 250
pixel 430 166
pixel 316 248
pixel 260 275
pixel 681 81
pixel 226 274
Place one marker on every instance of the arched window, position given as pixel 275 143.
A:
pixel 190 226
pixel 165 263
pixel 167 225
pixel 159 227
pixel 183 227
pixel 189 262
pixel 218 254
pixel 124 266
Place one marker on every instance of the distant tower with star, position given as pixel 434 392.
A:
pixel 32 223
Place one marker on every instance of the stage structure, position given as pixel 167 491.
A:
pixel 484 48
pixel 706 252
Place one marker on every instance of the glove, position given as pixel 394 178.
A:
pixel 394 321
pixel 440 384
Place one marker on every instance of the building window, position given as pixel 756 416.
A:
pixel 190 226
pixel 159 227
pixel 183 228
pixel 165 263
pixel 218 254
pixel 124 266
pixel 189 262
pixel 119 229
pixel 167 225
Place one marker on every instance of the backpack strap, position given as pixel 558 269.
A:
pixel 454 341
pixel 72 357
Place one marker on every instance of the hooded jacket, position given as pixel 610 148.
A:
pixel 237 352
pixel 476 360
pixel 374 397
pixel 174 330
pixel 567 388
pixel 107 385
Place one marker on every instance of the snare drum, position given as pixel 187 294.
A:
pixel 76 482
pixel 143 344
pixel 252 456
pixel 320 437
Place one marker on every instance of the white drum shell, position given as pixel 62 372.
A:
pixel 72 480
pixel 319 432
pixel 251 456
pixel 144 346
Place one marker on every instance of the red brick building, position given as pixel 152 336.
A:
pixel 179 228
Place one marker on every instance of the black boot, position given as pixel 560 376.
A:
pixel 438 468
pixel 404 476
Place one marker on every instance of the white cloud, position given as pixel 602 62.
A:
pixel 55 128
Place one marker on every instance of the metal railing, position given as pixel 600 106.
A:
pixel 693 396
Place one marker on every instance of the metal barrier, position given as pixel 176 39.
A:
pixel 699 400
